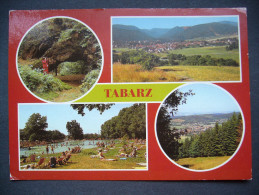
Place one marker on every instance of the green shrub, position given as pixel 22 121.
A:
pixel 40 83
pixel 37 65
pixel 68 68
pixel 89 80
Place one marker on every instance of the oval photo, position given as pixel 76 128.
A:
pixel 199 127
pixel 59 59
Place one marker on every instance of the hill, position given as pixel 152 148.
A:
pixel 202 118
pixel 201 31
pixel 128 33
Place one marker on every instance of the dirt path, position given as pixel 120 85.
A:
pixel 69 95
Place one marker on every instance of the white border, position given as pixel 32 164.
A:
pixel 41 104
pixel 240 60
pixel 222 164
pixel 101 70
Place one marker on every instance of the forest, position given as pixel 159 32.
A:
pixel 130 122
pixel 221 140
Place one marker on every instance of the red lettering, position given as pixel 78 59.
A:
pixel 115 93
pixel 132 93
pixel 107 92
pixel 149 93
pixel 124 93
pixel 140 92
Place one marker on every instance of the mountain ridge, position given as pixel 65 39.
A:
pixel 178 33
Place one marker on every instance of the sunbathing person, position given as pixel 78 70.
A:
pixel 40 162
pixel 53 162
pixel 134 152
pixel 60 161
pixel 99 155
pixel 33 157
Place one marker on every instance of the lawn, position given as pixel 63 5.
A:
pixel 180 73
pixel 83 160
pixel 202 163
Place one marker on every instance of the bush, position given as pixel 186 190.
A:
pixel 37 65
pixel 68 68
pixel 40 83
pixel 89 80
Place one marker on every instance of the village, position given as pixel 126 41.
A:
pixel 159 46
pixel 194 128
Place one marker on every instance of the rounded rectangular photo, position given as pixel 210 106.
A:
pixel 176 49
pixel 82 136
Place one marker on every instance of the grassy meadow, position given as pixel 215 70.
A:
pixel 202 163
pixel 214 52
pixel 179 73
pixel 83 159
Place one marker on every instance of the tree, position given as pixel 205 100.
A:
pixel 221 140
pixel 57 135
pixel 35 127
pixel 74 130
pixel 100 107
pixel 130 122
pixel 168 138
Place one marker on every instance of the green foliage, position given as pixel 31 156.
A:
pixel 65 35
pixel 36 125
pixel 35 129
pixel 62 40
pixel 148 61
pixel 221 140
pixel 100 107
pixel 233 45
pixel 92 136
pixel 68 68
pixel 130 123
pixel 56 135
pixel 89 80
pixel 37 65
pixel 174 58
pixel 40 83
pixel 169 138
pixel 74 130
pixel 198 60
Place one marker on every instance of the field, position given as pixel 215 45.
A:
pixel 214 52
pixel 83 160
pixel 180 73
pixel 202 163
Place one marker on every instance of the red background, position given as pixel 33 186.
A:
pixel 159 167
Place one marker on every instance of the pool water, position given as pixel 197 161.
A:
pixel 59 147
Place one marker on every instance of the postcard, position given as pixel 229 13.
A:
pixel 129 94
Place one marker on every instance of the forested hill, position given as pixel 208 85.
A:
pixel 201 31
pixel 128 33
pixel 203 118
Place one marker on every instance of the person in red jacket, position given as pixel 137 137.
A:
pixel 45 64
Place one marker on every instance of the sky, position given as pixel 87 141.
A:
pixel 59 114
pixel 169 22
pixel 208 99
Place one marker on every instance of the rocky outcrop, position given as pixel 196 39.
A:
pixel 62 40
